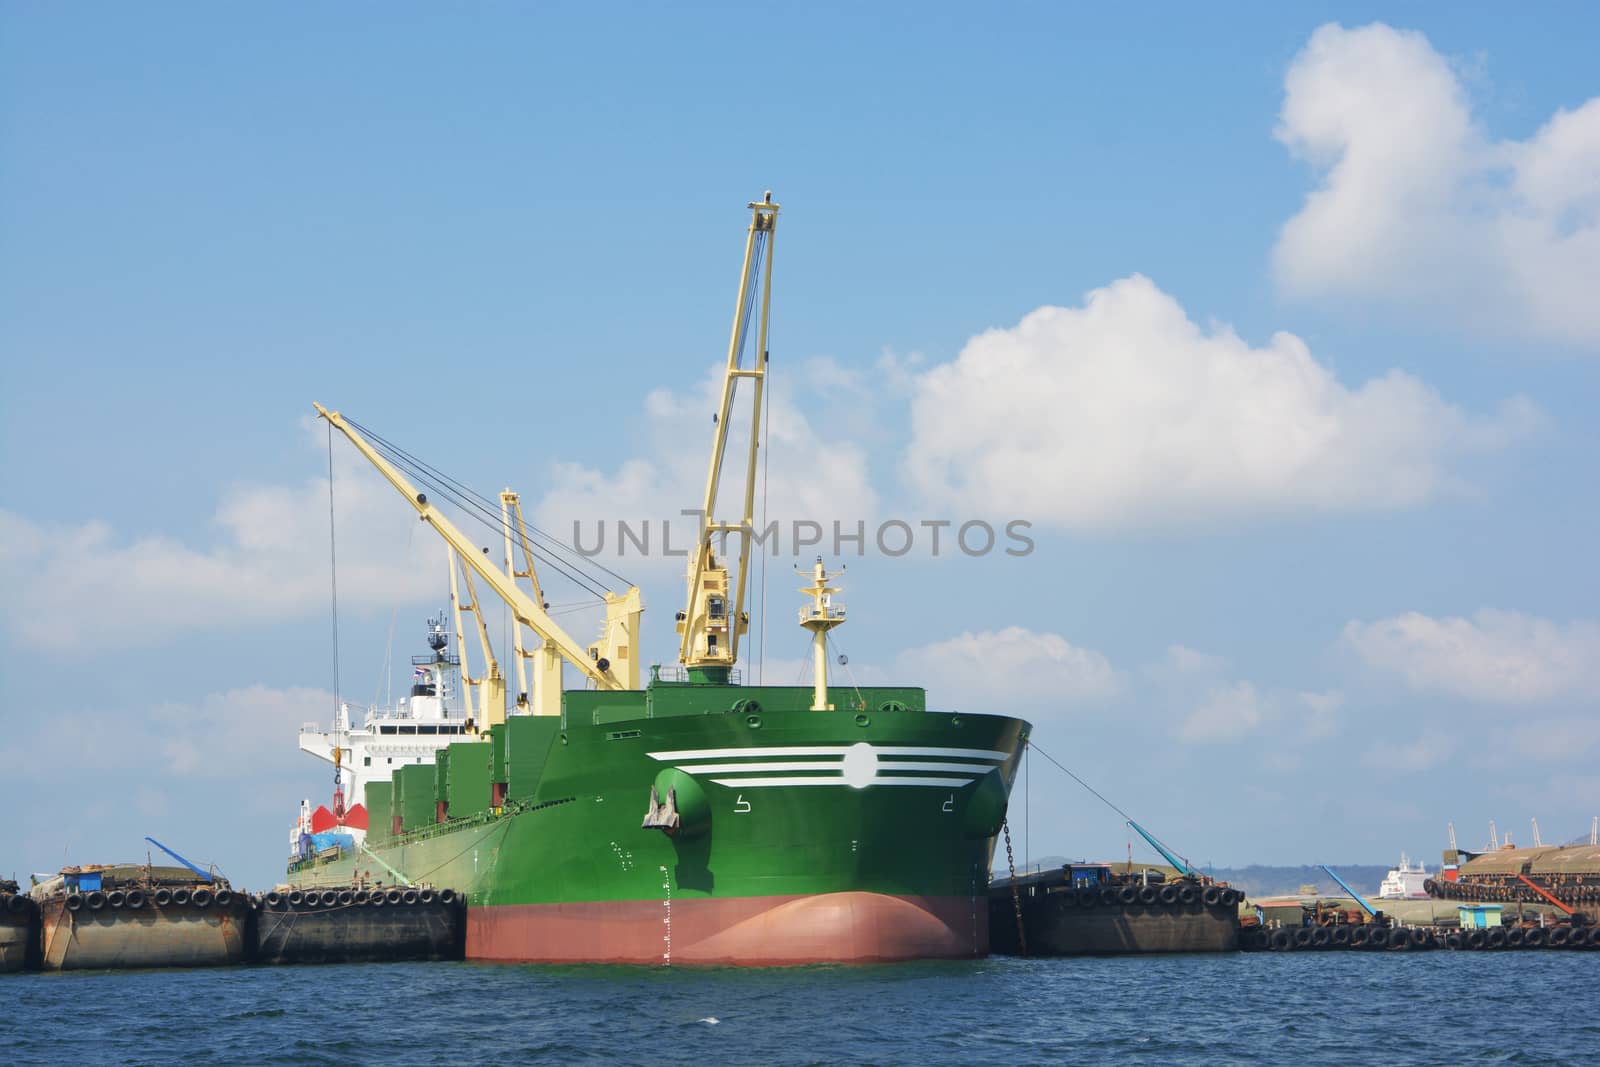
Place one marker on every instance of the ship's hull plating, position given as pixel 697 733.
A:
pixel 805 837
pixel 850 927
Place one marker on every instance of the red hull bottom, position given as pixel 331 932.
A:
pixel 742 931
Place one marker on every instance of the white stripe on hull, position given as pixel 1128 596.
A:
pixel 825 765
pixel 757 783
pixel 828 750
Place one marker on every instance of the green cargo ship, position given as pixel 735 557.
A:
pixel 692 819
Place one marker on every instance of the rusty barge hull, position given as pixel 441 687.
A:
pixel 173 935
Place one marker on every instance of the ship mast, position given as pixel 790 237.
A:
pixel 820 616
pixel 710 626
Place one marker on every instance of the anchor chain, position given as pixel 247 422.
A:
pixel 1016 898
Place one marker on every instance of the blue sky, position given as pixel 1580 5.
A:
pixel 1307 445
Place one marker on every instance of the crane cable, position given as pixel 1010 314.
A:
pixel 488 510
pixel 484 511
pixel 333 587
pixel 766 440
pixel 1101 797
pixel 476 507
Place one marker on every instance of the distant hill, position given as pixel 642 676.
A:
pixel 1262 881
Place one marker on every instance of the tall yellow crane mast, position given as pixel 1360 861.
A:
pixel 490 687
pixel 710 625
pixel 544 696
pixel 611 663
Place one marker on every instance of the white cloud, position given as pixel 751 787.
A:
pixel 1181 661
pixel 1010 670
pixel 218 777
pixel 1418 207
pixel 1226 713
pixel 1320 713
pixel 1495 657
pixel 1124 411
pixel 74 585
pixel 1423 753
pixel 810 475
pixel 1205 705
pixel 196 739
pixel 245 735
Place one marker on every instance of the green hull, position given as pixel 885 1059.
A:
pixel 788 822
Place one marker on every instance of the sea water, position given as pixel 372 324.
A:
pixel 1340 1008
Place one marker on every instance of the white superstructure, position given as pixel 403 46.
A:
pixel 386 739
pixel 1404 882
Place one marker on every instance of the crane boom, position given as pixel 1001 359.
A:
pixel 1357 897
pixel 1159 847
pixel 714 617
pixel 522 606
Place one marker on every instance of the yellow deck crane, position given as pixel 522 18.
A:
pixel 487 691
pixel 609 663
pixel 710 625
pixel 546 656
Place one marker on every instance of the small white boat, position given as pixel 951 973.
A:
pixel 1405 882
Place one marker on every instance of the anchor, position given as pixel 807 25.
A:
pixel 662 816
